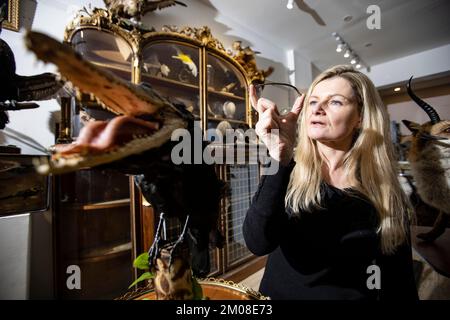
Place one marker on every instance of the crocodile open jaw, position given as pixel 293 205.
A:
pixel 102 142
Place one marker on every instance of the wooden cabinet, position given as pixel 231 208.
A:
pixel 188 66
pixel 93 233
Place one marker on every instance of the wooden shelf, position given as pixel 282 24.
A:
pixel 174 83
pixel 227 148
pixel 252 265
pixel 105 252
pixel 115 66
pixel 227 95
pixel 107 204
pixel 171 83
pixel 225 119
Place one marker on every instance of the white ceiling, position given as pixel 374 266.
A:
pixel 407 27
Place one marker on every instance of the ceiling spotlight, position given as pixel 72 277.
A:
pixel 290 4
pixel 343 46
pixel 336 36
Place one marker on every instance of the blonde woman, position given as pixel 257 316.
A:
pixel 333 219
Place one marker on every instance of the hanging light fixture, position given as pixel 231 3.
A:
pixel 290 4
pixel 336 36
pixel 343 46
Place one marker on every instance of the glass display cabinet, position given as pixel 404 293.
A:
pixel 188 66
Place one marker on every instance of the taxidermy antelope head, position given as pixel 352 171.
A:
pixel 429 157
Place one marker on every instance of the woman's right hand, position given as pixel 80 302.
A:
pixel 281 145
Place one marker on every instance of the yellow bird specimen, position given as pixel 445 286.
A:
pixel 187 61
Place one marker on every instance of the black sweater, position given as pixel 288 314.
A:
pixel 323 254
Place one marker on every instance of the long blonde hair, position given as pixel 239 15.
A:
pixel 370 163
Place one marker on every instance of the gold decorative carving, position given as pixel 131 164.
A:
pixel 246 58
pixel 12 15
pixel 202 35
pixel 103 19
pixel 248 292
pixel 134 32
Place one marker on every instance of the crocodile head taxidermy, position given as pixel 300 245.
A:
pixel 145 120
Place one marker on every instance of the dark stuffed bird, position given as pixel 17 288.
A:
pixel 15 88
pixel 180 190
pixel 306 8
pixel 137 8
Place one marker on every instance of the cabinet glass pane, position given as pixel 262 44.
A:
pixel 243 181
pixel 104 50
pixel 226 92
pixel 86 187
pixel 173 70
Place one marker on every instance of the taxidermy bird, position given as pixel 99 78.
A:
pixel 153 66
pixel 185 59
pixel 246 58
pixel 189 192
pixel 14 89
pixel 306 8
pixel 429 157
pixel 137 8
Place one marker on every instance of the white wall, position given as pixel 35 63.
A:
pixel 411 111
pixel 14 257
pixel 421 64
pixel 225 29
pixel 51 17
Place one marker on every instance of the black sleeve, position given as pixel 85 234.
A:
pixel 397 275
pixel 266 216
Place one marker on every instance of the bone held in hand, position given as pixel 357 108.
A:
pixel 101 136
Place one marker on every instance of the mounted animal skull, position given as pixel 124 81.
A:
pixel 429 157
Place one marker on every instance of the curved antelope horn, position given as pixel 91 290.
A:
pixel 434 116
